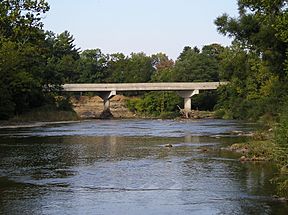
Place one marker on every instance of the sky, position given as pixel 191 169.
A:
pixel 149 26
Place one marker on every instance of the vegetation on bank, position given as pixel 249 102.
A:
pixel 270 145
pixel 256 66
pixel 267 149
pixel 155 104
pixel 58 109
pixel 281 151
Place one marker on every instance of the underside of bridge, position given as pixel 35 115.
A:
pixel 186 95
pixel 106 91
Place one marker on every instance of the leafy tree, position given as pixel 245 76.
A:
pixel 257 29
pixel 164 67
pixel 30 59
pixel 255 63
pixel 195 66
pixel 93 66
pixel 139 68
pixel 20 20
pixel 62 59
pixel 117 67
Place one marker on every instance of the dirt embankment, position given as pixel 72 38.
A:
pixel 92 107
pixel 88 107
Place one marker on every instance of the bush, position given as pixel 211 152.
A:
pixel 7 106
pixel 63 103
pixel 204 101
pixel 281 138
pixel 223 114
pixel 156 104
pixel 281 141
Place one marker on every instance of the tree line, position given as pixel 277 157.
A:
pixel 34 63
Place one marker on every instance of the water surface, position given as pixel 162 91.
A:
pixel 123 167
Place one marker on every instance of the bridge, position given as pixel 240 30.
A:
pixel 106 91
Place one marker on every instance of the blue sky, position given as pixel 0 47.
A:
pixel 149 26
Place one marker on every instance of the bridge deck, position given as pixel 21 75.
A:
pixel 172 86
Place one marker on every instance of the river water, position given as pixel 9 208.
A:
pixel 123 167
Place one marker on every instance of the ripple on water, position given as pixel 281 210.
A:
pixel 121 167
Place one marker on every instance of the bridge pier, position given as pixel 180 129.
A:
pixel 106 96
pixel 187 98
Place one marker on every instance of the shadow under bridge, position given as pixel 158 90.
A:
pixel 106 91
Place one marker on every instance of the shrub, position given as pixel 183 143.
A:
pixel 155 104
pixel 281 156
pixel 7 106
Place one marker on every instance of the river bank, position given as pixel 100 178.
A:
pixel 263 147
pixel 91 107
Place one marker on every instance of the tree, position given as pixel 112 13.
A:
pixel 163 66
pixel 93 66
pixel 20 20
pixel 63 45
pixel 196 66
pixel 20 72
pixel 139 68
pixel 62 59
pixel 28 61
pixel 117 67
pixel 255 63
pixel 257 29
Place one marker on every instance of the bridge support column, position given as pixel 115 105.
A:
pixel 187 98
pixel 106 96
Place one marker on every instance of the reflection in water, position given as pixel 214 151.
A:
pixel 43 171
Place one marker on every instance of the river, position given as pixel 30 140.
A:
pixel 123 167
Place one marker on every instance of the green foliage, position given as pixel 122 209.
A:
pixel 155 104
pixel 281 156
pixel 204 101
pixel 63 45
pixel 93 66
pixel 63 103
pixel 7 106
pixel 31 60
pixel 257 29
pixel 281 134
pixel 139 68
pixel 117 65
pixel 195 66
pixel 62 59
pixel 20 20
pixel 164 68
pixel 256 66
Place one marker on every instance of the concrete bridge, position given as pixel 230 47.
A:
pixel 106 91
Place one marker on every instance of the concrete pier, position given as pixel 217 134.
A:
pixel 187 98
pixel 106 96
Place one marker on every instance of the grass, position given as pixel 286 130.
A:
pixel 46 114
pixel 264 146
